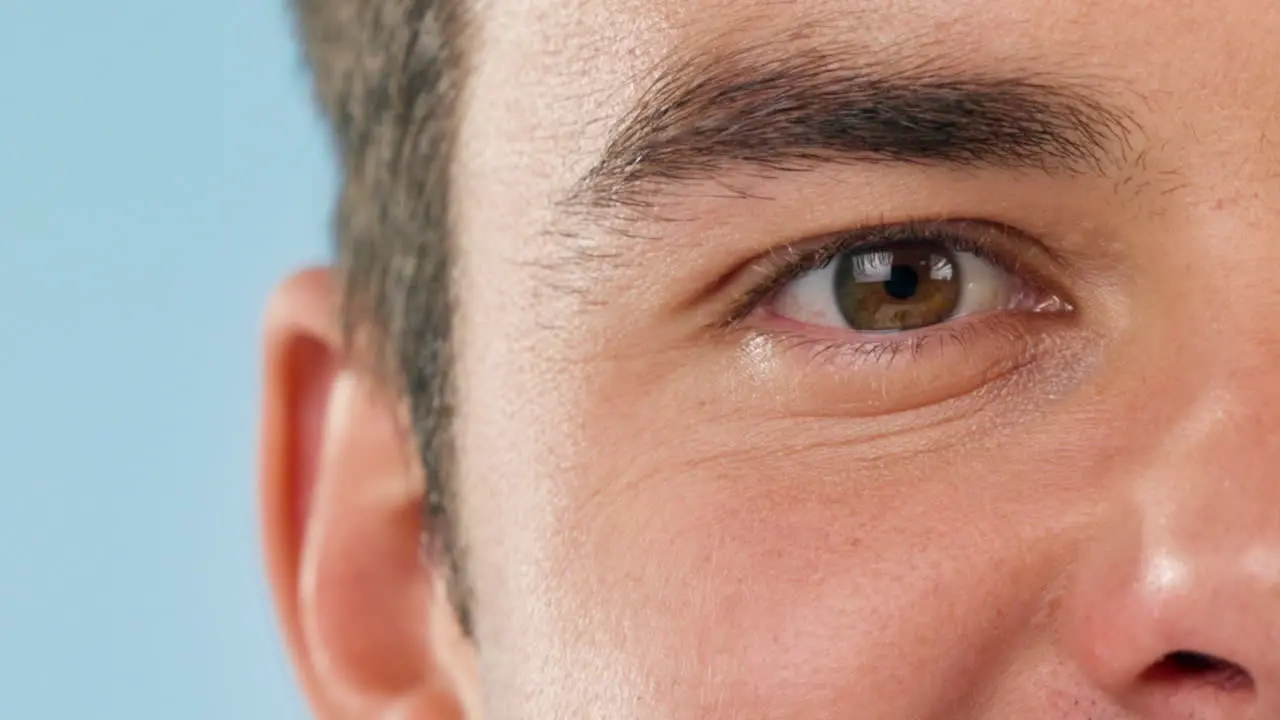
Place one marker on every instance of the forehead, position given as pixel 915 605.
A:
pixel 550 79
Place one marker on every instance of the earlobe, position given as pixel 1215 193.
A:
pixel 340 497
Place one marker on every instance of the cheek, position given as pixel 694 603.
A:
pixel 664 540
pixel 768 583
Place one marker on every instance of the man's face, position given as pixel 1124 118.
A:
pixel 835 359
pixel 1045 482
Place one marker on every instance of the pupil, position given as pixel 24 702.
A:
pixel 902 283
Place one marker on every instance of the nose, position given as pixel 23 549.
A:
pixel 1174 608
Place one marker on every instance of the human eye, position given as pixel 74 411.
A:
pixel 956 302
pixel 905 278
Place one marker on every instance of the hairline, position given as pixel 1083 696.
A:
pixel 387 77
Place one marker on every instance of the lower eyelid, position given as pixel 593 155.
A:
pixel 839 377
pixel 828 338
pixel 835 372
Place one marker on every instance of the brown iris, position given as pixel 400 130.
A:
pixel 901 287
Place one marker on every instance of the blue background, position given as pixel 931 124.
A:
pixel 160 168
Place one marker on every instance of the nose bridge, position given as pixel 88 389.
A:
pixel 1208 545
pixel 1219 330
pixel 1226 432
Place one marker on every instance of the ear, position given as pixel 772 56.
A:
pixel 365 617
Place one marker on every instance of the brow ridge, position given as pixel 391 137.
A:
pixel 765 113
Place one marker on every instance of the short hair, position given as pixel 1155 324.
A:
pixel 386 75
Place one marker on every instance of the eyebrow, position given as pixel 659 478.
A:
pixel 766 112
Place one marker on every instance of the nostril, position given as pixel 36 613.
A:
pixel 1194 663
pixel 1186 665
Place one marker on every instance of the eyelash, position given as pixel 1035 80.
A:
pixel 984 239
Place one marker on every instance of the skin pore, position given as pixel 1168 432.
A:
pixel 682 490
